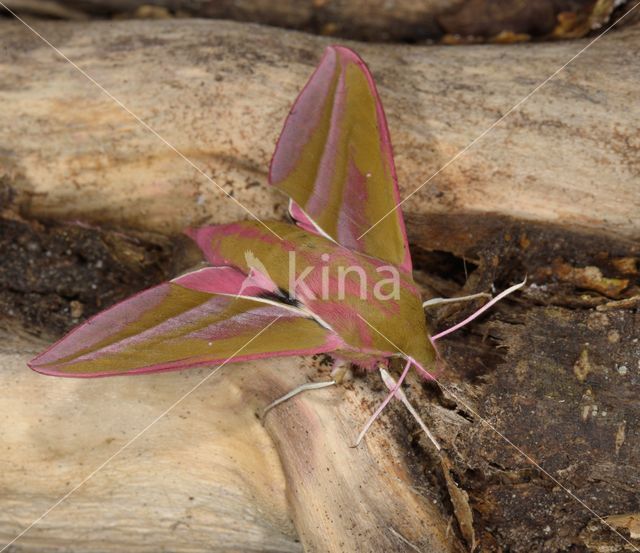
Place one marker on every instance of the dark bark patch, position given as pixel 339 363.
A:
pixel 554 369
pixel 54 275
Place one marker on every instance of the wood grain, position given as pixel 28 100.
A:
pixel 207 476
pixel 219 94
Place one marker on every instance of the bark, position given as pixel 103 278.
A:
pixel 208 476
pixel 378 20
pixel 554 373
pixel 549 193
pixel 219 94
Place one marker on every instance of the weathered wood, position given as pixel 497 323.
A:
pixel 555 373
pixel 374 20
pixel 206 477
pixel 563 392
pixel 219 93
pixel 184 486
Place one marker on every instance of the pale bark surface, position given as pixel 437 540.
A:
pixel 551 192
pixel 205 478
pixel 208 476
pixel 220 93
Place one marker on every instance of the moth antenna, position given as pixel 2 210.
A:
pixel 480 311
pixel 390 383
pixel 379 410
pixel 295 392
pixel 438 301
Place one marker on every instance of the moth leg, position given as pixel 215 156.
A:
pixel 379 410
pixel 295 392
pixel 391 383
pixel 439 301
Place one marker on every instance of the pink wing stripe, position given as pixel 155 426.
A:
pixel 204 236
pixel 304 117
pixel 222 280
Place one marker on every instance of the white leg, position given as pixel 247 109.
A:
pixel 379 410
pixel 295 392
pixel 391 383
pixel 438 301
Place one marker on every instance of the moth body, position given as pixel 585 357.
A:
pixel 353 293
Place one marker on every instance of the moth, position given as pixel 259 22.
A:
pixel 337 279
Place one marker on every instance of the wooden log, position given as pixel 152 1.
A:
pixel 554 371
pixel 219 94
pixel 373 20
pixel 206 477
pixel 179 487
pixel 210 482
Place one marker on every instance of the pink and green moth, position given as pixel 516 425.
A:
pixel 334 161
